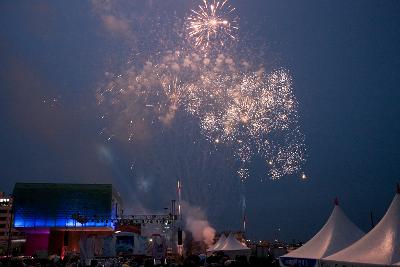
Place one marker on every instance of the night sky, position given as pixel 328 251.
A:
pixel 344 59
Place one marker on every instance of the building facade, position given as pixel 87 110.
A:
pixel 56 217
pixel 9 237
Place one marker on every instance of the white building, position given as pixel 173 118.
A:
pixel 6 223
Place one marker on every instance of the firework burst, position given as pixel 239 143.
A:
pixel 202 110
pixel 214 23
pixel 254 113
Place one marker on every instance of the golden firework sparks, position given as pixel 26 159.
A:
pixel 213 23
pixel 253 112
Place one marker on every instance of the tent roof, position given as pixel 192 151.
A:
pixel 218 244
pixel 337 233
pixel 231 243
pixel 381 245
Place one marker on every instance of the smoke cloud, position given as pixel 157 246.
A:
pixel 197 223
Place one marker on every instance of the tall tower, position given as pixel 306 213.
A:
pixel 180 222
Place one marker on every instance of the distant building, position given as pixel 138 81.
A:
pixel 8 238
pixel 56 217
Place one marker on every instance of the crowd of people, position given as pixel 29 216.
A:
pixel 215 260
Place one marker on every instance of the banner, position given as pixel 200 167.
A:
pixel 125 244
pixel 159 247
pixel 140 245
pixel 109 247
pixel 297 262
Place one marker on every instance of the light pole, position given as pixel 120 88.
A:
pixel 173 232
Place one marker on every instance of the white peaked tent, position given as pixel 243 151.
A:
pixel 380 247
pixel 337 233
pixel 231 243
pixel 232 247
pixel 218 244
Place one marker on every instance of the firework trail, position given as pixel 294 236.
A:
pixel 243 206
